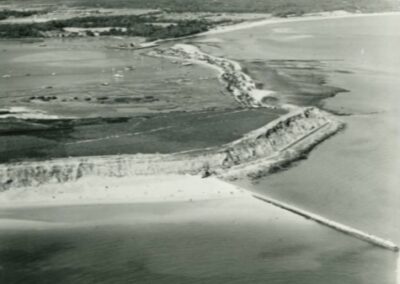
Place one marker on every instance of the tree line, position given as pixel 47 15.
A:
pixel 134 26
pixel 5 14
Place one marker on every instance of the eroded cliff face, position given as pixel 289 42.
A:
pixel 281 140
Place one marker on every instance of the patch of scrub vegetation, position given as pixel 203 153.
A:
pixel 127 25
pixel 5 14
pixel 277 7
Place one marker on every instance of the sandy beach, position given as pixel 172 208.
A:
pixel 136 189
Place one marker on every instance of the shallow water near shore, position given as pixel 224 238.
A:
pixel 357 170
pixel 351 178
pixel 221 241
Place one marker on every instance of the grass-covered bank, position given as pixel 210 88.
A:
pixel 173 132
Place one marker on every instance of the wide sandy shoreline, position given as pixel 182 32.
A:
pixel 120 190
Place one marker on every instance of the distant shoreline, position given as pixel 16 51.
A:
pixel 303 18
pixel 277 20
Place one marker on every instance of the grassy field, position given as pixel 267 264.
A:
pixel 168 133
pixel 278 7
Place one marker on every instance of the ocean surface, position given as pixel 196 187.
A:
pixel 354 177
pixel 351 178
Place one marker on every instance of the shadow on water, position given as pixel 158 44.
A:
pixel 23 263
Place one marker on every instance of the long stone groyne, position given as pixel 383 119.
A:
pixel 377 241
pixel 257 152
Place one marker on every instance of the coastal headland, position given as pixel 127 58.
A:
pixel 261 150
pixel 257 153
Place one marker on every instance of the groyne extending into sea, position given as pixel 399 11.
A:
pixel 377 241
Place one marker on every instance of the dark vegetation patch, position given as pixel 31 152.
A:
pixel 100 99
pixel 141 25
pixel 277 7
pixel 128 100
pixel 134 25
pixel 158 133
pixel 16 126
pixel 21 260
pixel 5 14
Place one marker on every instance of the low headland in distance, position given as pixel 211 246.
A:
pixel 289 134
pixel 158 19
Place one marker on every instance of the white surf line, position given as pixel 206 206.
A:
pixel 331 224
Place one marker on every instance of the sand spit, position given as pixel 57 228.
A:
pixel 238 83
pixel 377 241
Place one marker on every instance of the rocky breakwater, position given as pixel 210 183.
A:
pixel 258 152
pixel 239 84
